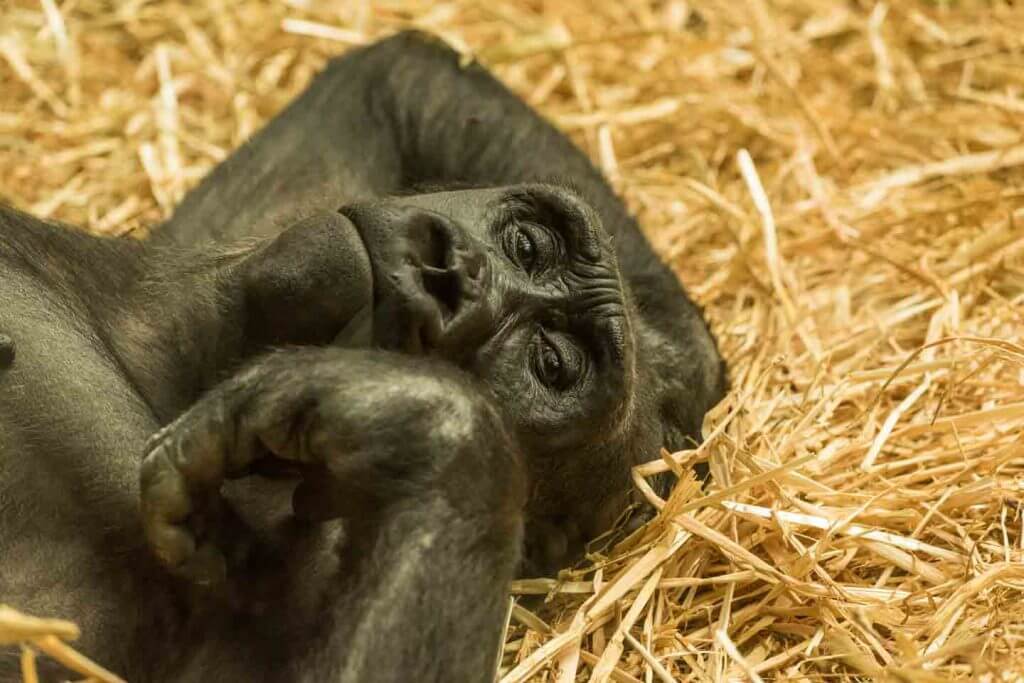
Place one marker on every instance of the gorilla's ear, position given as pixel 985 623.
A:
pixel 687 375
pixel 681 430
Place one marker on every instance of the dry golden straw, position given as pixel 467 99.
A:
pixel 839 184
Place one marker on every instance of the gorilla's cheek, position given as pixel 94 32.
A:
pixel 575 496
pixel 501 364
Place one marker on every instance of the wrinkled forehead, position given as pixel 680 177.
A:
pixel 479 206
pixel 468 207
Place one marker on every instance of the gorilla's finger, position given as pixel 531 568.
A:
pixel 206 567
pixel 184 464
pixel 318 499
pixel 198 444
pixel 166 504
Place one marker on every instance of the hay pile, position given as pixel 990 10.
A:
pixel 840 184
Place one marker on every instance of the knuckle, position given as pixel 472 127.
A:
pixel 148 472
pixel 155 466
pixel 166 498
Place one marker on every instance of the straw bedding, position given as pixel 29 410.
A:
pixel 840 185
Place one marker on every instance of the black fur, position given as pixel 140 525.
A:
pixel 463 376
pixel 7 352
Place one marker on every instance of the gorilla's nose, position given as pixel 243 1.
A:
pixel 453 272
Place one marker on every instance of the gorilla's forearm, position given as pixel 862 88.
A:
pixel 196 313
pixel 426 602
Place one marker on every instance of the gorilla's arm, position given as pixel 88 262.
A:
pixel 192 315
pixel 407 451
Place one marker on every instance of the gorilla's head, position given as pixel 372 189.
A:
pixel 520 286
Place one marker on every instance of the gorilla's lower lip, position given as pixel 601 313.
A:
pixel 358 332
pixel 350 215
pixel 383 320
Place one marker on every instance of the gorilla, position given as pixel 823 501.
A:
pixel 399 347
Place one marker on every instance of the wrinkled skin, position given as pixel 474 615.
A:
pixel 463 377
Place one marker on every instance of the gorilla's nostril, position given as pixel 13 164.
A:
pixel 450 269
pixel 443 286
pixel 435 246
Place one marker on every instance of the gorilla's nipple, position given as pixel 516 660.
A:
pixel 6 352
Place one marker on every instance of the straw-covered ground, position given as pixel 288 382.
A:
pixel 840 184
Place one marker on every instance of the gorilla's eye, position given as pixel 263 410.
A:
pixel 524 250
pixel 530 246
pixel 550 363
pixel 556 360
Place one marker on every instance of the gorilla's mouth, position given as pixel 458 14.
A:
pixel 412 296
pixel 358 331
pixel 370 327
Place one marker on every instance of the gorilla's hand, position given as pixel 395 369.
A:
pixel 371 431
pixel 311 285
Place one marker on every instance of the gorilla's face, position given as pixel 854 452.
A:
pixel 520 287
